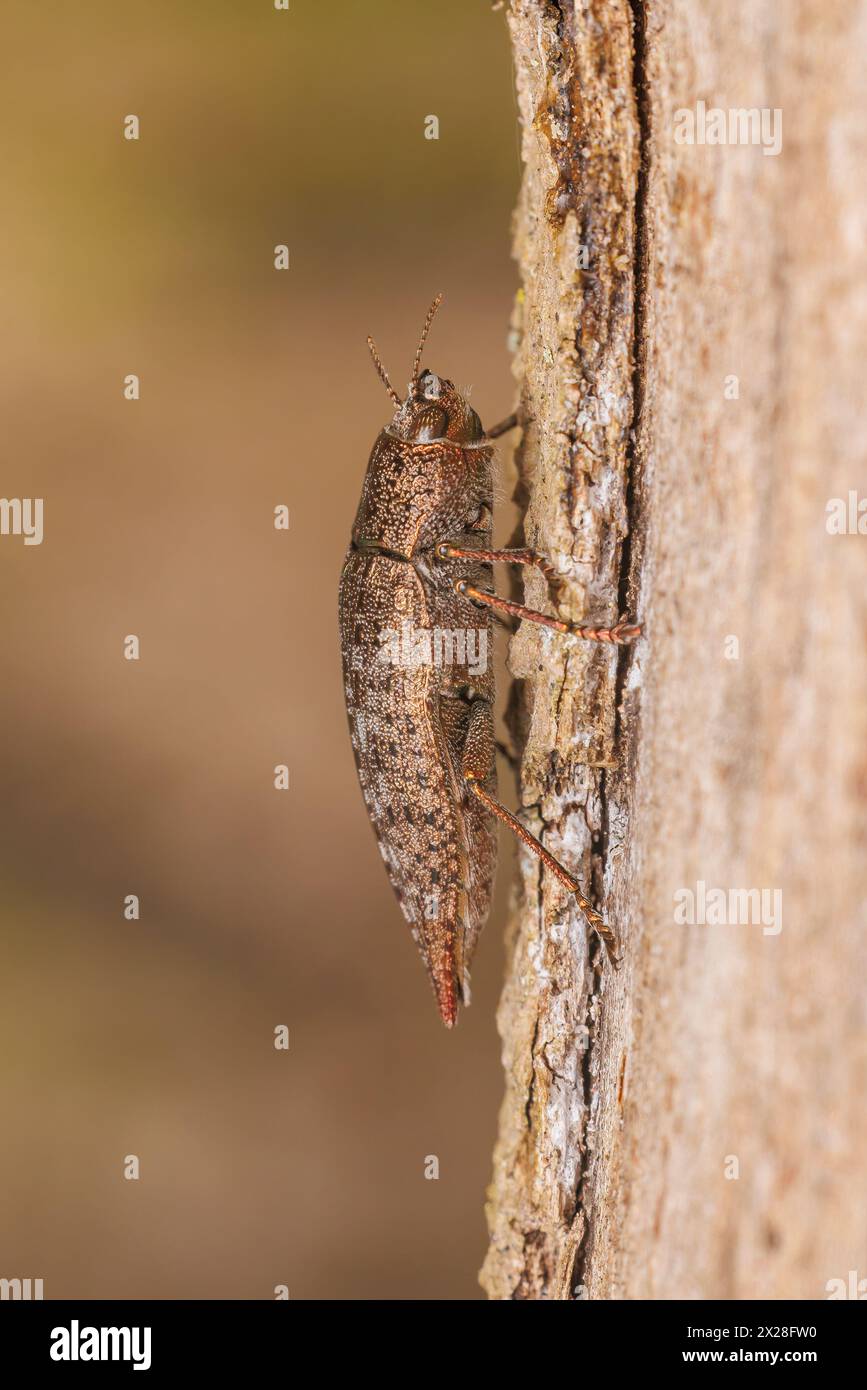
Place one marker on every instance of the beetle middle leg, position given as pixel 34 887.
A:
pixel 622 632
pixel 524 556
pixel 619 635
pixel 475 767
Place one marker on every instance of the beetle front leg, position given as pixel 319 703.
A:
pixel 503 427
pixel 475 766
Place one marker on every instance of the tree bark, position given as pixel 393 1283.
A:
pixel 693 328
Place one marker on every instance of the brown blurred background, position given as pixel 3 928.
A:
pixel 155 777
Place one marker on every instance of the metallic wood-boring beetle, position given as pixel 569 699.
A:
pixel 416 606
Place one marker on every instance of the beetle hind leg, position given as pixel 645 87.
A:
pixel 475 767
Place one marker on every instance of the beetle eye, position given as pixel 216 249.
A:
pixel 430 423
pixel 482 520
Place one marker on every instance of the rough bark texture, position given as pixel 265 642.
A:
pixel 692 1125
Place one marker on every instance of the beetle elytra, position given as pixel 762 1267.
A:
pixel 416 606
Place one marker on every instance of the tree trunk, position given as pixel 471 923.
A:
pixel 693 332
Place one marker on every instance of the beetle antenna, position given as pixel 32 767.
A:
pixel 382 373
pixel 424 332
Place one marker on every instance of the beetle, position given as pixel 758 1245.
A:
pixel 416 609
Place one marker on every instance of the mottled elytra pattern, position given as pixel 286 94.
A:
pixel 416 607
pixel 410 727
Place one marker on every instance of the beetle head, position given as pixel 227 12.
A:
pixel 434 408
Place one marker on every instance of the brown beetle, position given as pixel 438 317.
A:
pixel 416 602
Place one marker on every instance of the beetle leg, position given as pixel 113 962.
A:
pixel 620 634
pixel 507 557
pixel 511 757
pixel 503 427
pixel 474 766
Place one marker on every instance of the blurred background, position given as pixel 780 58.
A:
pixel 258 908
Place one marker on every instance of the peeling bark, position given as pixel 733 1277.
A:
pixel 653 274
